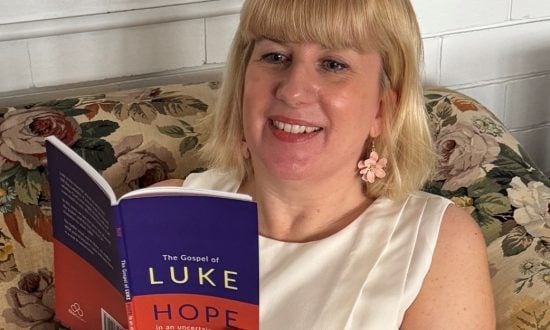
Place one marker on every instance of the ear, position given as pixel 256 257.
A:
pixel 387 102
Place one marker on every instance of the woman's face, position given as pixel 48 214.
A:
pixel 308 110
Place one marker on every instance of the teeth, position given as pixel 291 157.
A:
pixel 310 129
pixel 294 129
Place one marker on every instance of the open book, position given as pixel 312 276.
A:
pixel 156 258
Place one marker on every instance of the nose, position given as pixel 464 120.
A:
pixel 298 85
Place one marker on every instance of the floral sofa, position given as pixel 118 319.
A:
pixel 138 137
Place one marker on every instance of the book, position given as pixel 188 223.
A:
pixel 155 258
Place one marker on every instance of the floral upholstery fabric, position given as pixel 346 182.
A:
pixel 138 137
pixel 483 169
pixel 135 138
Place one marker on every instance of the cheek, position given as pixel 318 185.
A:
pixel 258 92
pixel 361 109
pixel 254 103
pixel 255 90
pixel 247 119
pixel 358 118
pixel 247 92
pixel 249 99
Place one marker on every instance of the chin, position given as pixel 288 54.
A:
pixel 291 172
pixel 286 161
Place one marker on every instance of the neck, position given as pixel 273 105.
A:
pixel 301 211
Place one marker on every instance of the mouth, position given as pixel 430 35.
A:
pixel 293 128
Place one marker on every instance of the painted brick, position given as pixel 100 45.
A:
pixel 490 96
pixel 440 16
pixel 495 53
pixel 528 96
pixel 32 10
pixel 14 66
pixel 537 143
pixel 522 9
pixel 432 59
pixel 117 5
pixel 219 34
pixel 117 53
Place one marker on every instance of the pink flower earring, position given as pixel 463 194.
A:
pixel 373 167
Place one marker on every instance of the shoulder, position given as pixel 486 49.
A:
pixel 459 236
pixel 456 293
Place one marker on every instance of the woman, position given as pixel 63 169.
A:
pixel 321 120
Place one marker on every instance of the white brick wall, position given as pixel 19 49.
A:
pixel 432 60
pixel 219 34
pixel 497 51
pixel 106 54
pixel 491 96
pixel 14 66
pixel 448 15
pixel 522 9
pixel 527 103
pixel 536 142
pixel 30 10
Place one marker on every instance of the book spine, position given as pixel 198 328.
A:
pixel 121 245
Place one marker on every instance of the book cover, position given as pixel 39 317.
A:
pixel 157 258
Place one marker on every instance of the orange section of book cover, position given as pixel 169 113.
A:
pixel 192 312
pixel 83 293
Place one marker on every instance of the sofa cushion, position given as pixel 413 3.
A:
pixel 134 137
pixel 138 137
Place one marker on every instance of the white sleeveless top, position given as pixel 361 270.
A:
pixel 363 277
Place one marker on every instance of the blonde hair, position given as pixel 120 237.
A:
pixel 388 27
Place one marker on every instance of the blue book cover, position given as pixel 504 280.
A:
pixel 157 258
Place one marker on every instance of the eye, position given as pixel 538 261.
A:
pixel 275 58
pixel 333 65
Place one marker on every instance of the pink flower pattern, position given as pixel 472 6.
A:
pixel 372 168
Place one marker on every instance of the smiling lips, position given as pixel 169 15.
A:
pixel 294 129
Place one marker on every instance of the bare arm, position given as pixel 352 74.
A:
pixel 456 293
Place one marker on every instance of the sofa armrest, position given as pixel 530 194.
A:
pixel 483 169
pixel 134 137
